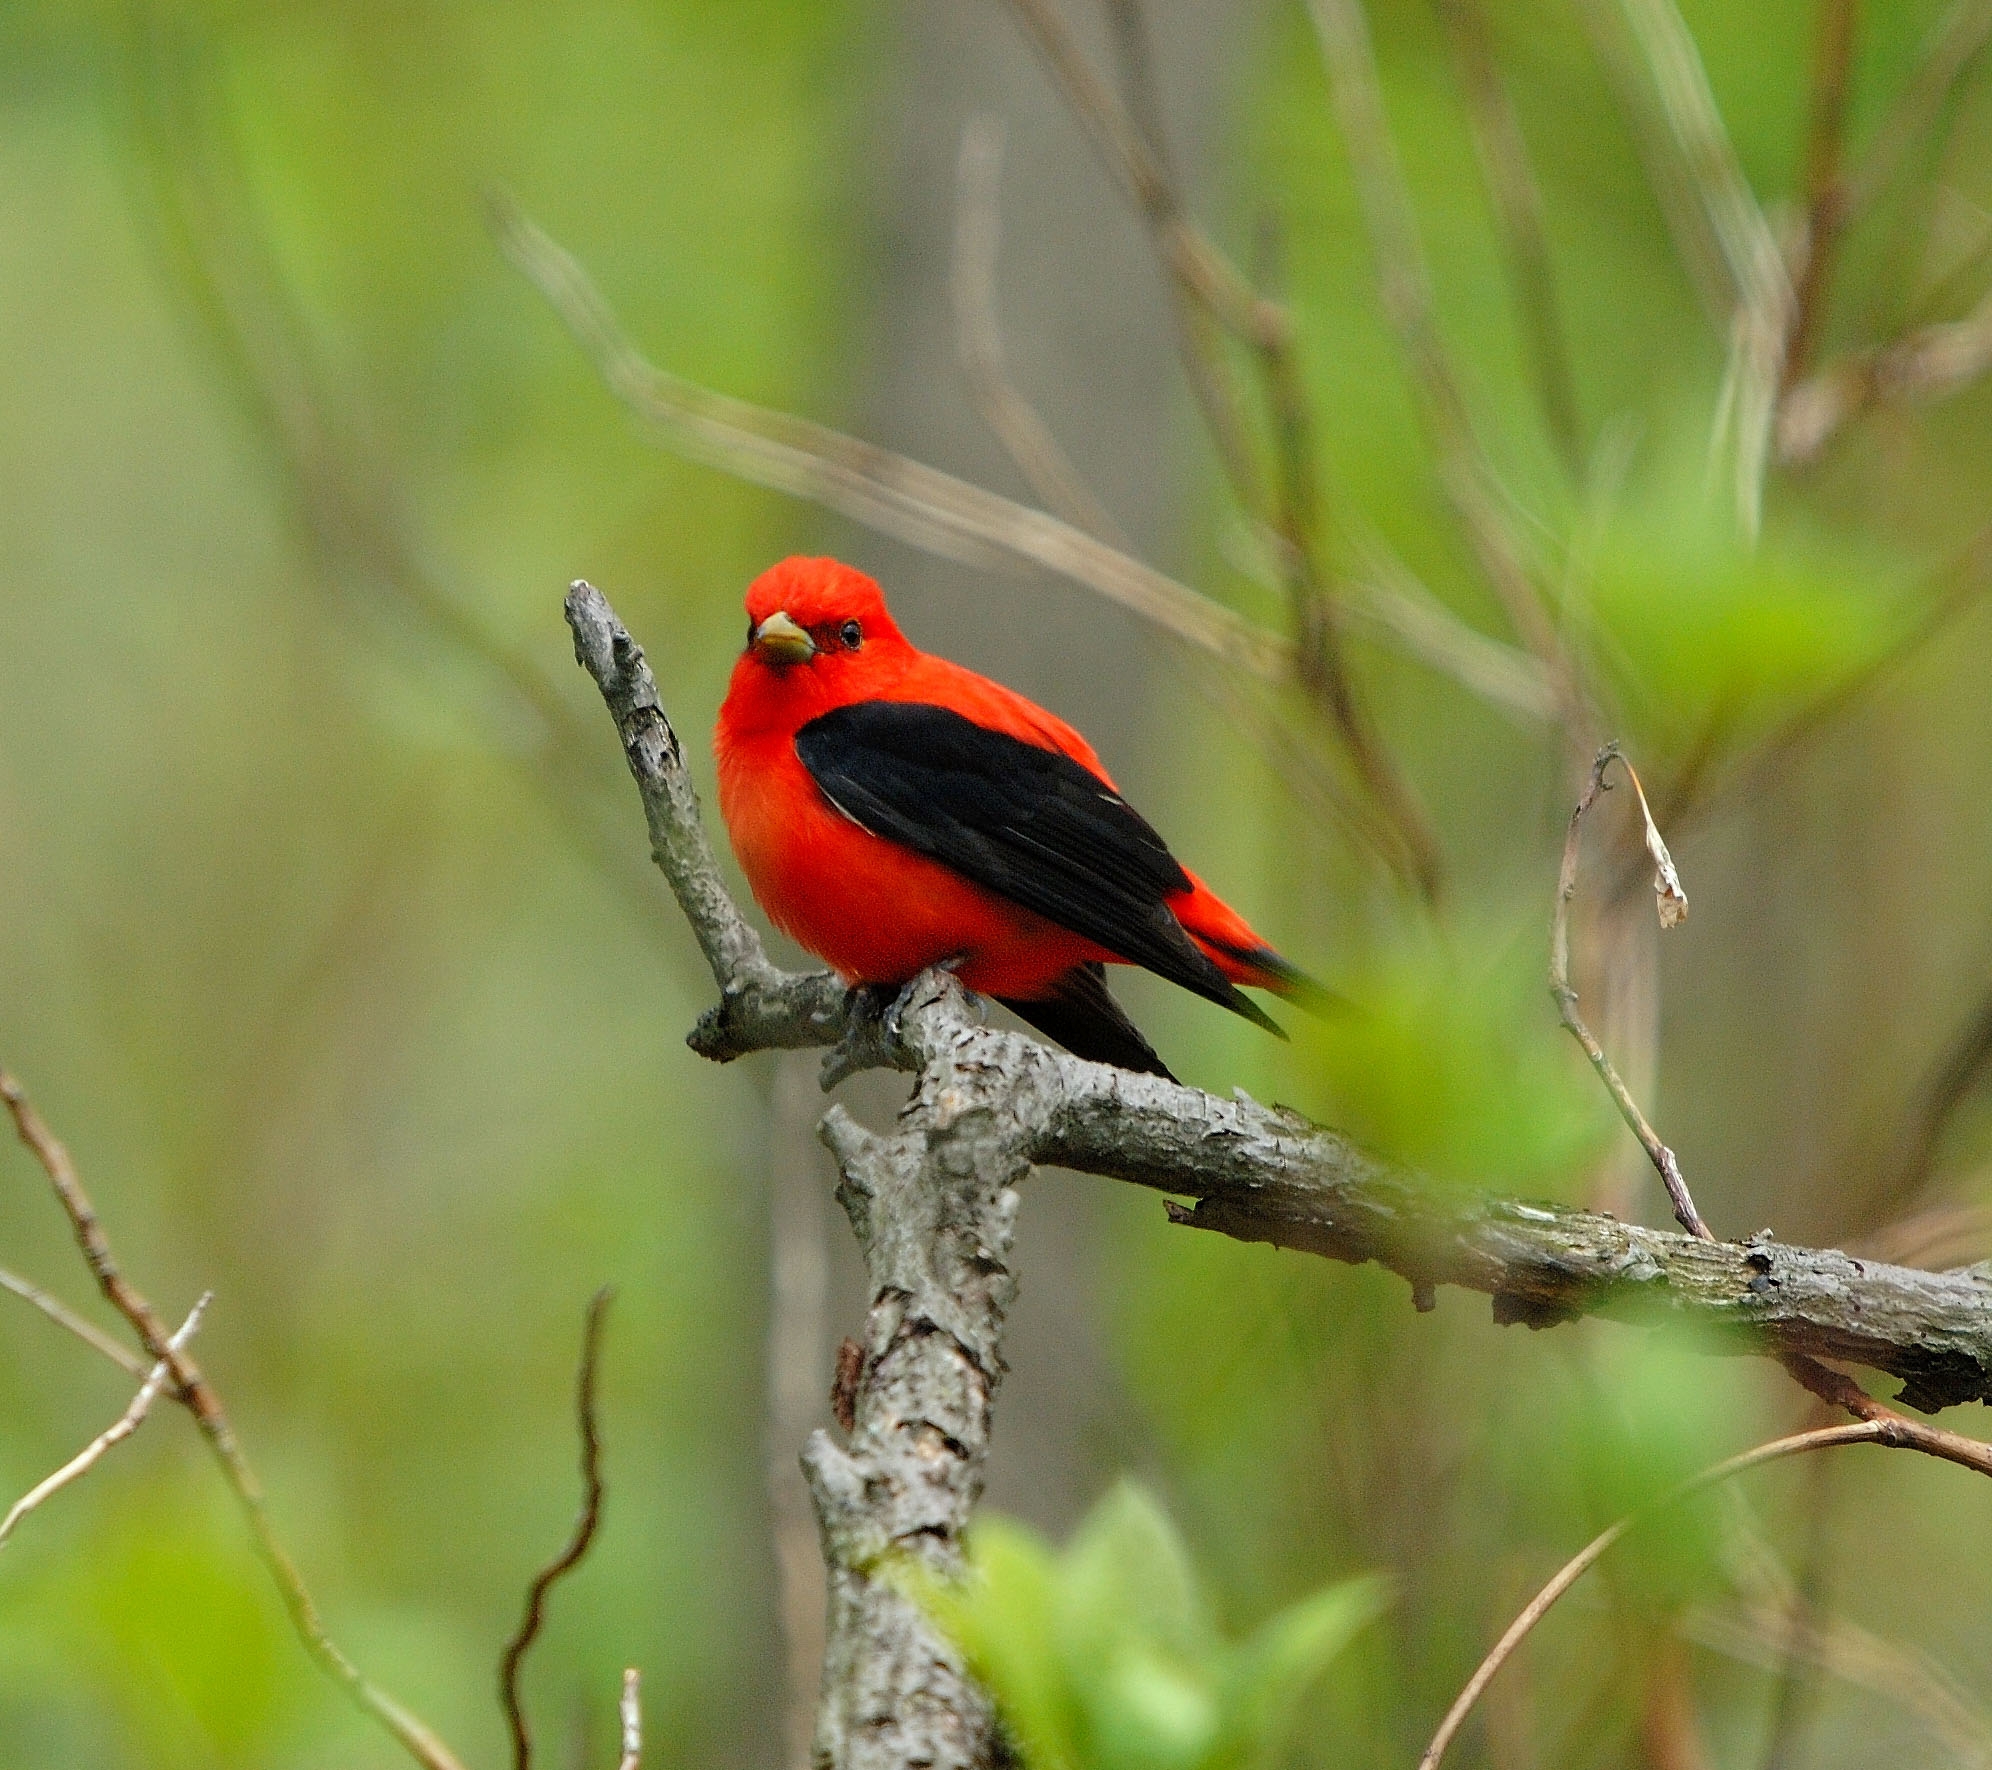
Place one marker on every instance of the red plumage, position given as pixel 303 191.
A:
pixel 876 909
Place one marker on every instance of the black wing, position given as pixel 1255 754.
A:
pixel 1020 820
pixel 1084 1017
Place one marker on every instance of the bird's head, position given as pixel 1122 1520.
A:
pixel 818 631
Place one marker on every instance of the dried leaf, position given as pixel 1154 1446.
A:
pixel 1670 896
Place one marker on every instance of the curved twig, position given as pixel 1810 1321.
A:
pixel 903 498
pixel 1516 201
pixel 578 1542
pixel 197 1395
pixel 115 1433
pixel 63 1316
pixel 979 340
pixel 1826 1438
pixel 1673 906
pixel 1404 286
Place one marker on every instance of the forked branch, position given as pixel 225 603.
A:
pixel 192 1389
pixel 1258 1173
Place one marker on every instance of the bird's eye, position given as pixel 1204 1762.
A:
pixel 851 633
pixel 751 624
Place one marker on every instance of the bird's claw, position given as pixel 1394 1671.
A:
pixel 875 1025
pixel 871 1028
pixel 893 1020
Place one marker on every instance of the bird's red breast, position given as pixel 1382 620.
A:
pixel 892 810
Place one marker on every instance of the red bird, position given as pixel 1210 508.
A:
pixel 892 811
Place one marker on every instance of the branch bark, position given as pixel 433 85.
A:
pixel 1263 1174
pixel 933 1204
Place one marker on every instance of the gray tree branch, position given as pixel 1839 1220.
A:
pixel 1259 1173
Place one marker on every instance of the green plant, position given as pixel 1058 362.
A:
pixel 1104 1655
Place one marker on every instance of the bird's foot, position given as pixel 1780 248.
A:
pixel 871 1032
pixel 875 1025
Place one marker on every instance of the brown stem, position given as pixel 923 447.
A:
pixel 1663 1159
pixel 1884 1432
pixel 194 1392
pixel 1405 291
pixel 1825 188
pixel 1211 294
pixel 586 1523
pixel 1517 203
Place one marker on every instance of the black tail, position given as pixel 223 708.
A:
pixel 1284 978
pixel 1089 1023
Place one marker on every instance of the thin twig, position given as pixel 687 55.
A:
pixel 583 1534
pixel 1516 198
pixel 1200 326
pixel 1134 59
pixel 1405 288
pixel 119 1429
pixel 1826 1438
pixel 1212 293
pixel 1949 51
pixel 1317 604
pixel 1388 602
pixel 1953 588
pixel 1672 179
pixel 1825 187
pixel 194 1392
pixel 1760 319
pixel 1928 363
pixel 1192 260
pixel 979 340
pixel 63 1316
pixel 1565 997
pixel 1831 1386
pixel 1765 1636
pixel 1949 1086
pixel 896 496
pixel 632 1721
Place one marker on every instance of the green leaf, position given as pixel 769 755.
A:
pixel 1453 1063
pixel 1127 1565
pixel 1707 640
pixel 1268 1673
pixel 1152 1711
pixel 1105 1657
pixel 1003 1615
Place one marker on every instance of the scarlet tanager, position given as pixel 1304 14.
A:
pixel 892 811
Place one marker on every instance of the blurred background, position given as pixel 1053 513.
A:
pixel 329 942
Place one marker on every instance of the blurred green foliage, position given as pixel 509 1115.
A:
pixel 300 949
pixel 1709 642
pixel 326 936
pixel 1433 1016
pixel 1105 1653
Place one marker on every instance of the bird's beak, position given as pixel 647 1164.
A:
pixel 781 641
